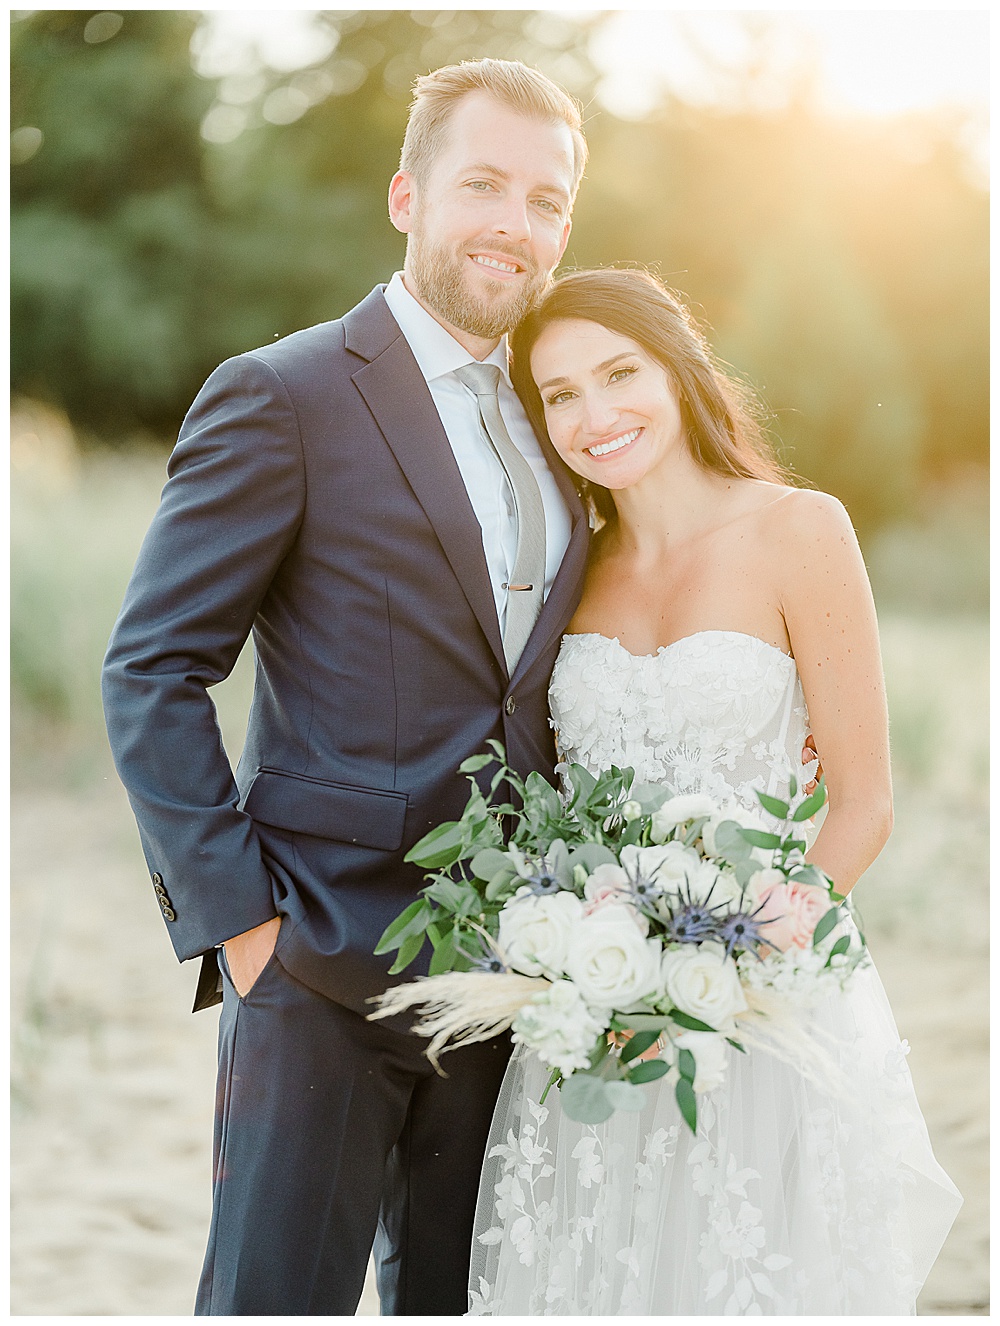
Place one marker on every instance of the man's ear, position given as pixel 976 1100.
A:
pixel 402 200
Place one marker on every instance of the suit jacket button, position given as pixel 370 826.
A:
pixel 157 879
pixel 511 704
pixel 169 914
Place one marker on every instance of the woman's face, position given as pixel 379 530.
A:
pixel 610 408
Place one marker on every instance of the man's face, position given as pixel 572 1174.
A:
pixel 491 221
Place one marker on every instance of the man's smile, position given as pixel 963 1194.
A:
pixel 499 265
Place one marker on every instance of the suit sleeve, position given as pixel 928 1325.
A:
pixel 227 518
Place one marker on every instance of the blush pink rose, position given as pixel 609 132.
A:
pixel 607 884
pixel 793 911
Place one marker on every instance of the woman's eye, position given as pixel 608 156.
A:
pixel 559 398
pixel 622 374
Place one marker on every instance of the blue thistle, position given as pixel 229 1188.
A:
pixel 741 933
pixel 544 882
pixel 645 891
pixel 489 962
pixel 692 924
pixel 694 920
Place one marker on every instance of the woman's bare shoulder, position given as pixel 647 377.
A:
pixel 810 516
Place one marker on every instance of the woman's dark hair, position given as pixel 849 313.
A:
pixel 720 415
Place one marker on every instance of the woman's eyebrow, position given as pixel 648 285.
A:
pixel 556 382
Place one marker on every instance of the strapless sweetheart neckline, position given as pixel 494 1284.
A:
pixel 662 649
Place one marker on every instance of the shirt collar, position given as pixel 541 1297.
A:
pixel 436 351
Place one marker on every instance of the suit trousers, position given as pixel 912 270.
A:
pixel 334 1134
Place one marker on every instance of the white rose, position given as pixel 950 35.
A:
pixel 728 890
pixel 704 983
pixel 744 818
pixel 678 810
pixel 710 1057
pixel 535 931
pixel 559 1027
pixel 610 961
pixel 759 883
pixel 668 865
pixel 705 883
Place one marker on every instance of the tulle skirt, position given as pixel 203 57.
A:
pixel 790 1199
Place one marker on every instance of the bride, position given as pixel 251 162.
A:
pixel 721 607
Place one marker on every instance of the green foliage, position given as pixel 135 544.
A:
pixel 843 263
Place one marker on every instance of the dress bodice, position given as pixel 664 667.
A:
pixel 719 712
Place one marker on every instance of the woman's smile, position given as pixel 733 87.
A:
pixel 615 444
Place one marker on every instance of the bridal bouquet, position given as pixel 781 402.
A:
pixel 623 934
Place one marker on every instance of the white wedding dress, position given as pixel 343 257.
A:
pixel 789 1200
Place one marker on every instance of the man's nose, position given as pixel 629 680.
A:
pixel 512 220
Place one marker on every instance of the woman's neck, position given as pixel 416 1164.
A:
pixel 673 504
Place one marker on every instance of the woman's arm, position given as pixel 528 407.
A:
pixel 830 617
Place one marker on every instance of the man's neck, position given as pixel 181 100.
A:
pixel 477 346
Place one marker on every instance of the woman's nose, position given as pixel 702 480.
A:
pixel 599 415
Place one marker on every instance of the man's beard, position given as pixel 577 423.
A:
pixel 439 279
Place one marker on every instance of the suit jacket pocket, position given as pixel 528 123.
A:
pixel 362 815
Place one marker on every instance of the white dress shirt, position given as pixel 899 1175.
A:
pixel 438 354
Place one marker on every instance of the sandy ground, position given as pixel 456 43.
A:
pixel 114 1077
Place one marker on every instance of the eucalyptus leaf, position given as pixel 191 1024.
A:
pixel 444 955
pixel 758 838
pixel 500 884
pixel 441 847
pixel 490 861
pixel 648 1071
pixel 812 803
pixel 592 855
pixel 624 1095
pixel 687 1102
pixel 686 1064
pixel 841 946
pixel 407 952
pixel 689 1023
pixel 639 1044
pixel 774 806
pixel 809 874
pixel 474 763
pixel 650 796
pixel 585 1099
pixel 582 781
pixel 640 1022
pixel 825 924
pixel 729 840
pixel 409 921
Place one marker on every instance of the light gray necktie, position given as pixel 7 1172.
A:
pixel 527 579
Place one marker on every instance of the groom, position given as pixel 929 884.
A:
pixel 368 498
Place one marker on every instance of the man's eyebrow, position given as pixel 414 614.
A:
pixel 599 368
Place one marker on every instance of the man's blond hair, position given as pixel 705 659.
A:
pixel 525 90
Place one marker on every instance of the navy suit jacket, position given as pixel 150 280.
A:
pixel 313 499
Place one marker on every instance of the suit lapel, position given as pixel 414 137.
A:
pixel 395 391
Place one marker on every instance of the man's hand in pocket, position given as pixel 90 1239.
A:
pixel 247 954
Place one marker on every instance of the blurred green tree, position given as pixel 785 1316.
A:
pixel 110 213
pixel 163 220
